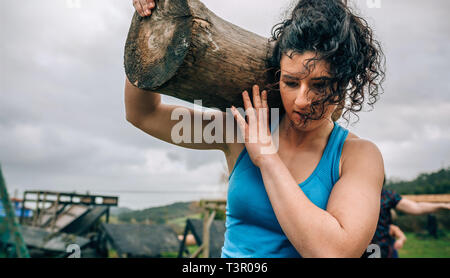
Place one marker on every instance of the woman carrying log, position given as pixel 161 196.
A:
pixel 318 193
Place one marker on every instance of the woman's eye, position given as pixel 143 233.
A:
pixel 320 88
pixel 319 85
pixel 291 84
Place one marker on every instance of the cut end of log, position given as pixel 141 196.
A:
pixel 157 45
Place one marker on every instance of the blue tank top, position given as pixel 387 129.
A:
pixel 252 229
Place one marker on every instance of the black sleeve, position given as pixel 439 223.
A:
pixel 395 199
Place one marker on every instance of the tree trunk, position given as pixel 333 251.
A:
pixel 186 51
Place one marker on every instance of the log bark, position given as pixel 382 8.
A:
pixel 186 51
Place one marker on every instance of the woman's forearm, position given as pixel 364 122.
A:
pixel 313 231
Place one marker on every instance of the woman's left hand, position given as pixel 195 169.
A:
pixel 257 136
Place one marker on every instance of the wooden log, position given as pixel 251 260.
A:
pixel 186 51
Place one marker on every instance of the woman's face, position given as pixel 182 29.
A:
pixel 298 89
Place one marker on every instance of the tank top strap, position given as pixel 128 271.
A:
pixel 329 164
pixel 333 151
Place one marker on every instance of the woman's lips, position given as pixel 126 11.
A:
pixel 297 116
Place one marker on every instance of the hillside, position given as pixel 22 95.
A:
pixel 116 211
pixel 427 183
pixel 160 215
pixel 176 214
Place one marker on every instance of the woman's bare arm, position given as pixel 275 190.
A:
pixel 175 124
pixel 347 226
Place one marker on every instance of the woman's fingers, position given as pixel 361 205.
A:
pixel 256 114
pixel 150 5
pixel 260 103
pixel 240 121
pixel 264 104
pixel 139 9
pixel 249 110
pixel 264 99
pixel 256 97
pixel 144 7
pixel 246 100
pixel 237 116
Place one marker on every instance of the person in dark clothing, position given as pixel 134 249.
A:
pixel 382 237
pixel 392 200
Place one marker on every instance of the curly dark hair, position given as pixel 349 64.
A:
pixel 337 36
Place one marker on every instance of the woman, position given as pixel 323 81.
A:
pixel 318 193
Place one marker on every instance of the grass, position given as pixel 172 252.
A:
pixel 425 246
pixel 416 246
pixel 182 220
pixel 179 224
pixel 191 249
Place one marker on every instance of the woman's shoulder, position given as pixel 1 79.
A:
pixel 356 146
pixel 358 150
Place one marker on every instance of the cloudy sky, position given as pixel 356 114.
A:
pixel 62 116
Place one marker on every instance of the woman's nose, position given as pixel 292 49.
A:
pixel 302 101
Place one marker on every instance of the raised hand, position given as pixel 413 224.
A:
pixel 144 7
pixel 257 136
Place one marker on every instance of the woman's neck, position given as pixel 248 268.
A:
pixel 296 137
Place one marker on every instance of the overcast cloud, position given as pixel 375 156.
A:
pixel 62 116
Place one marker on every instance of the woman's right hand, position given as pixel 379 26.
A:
pixel 144 7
